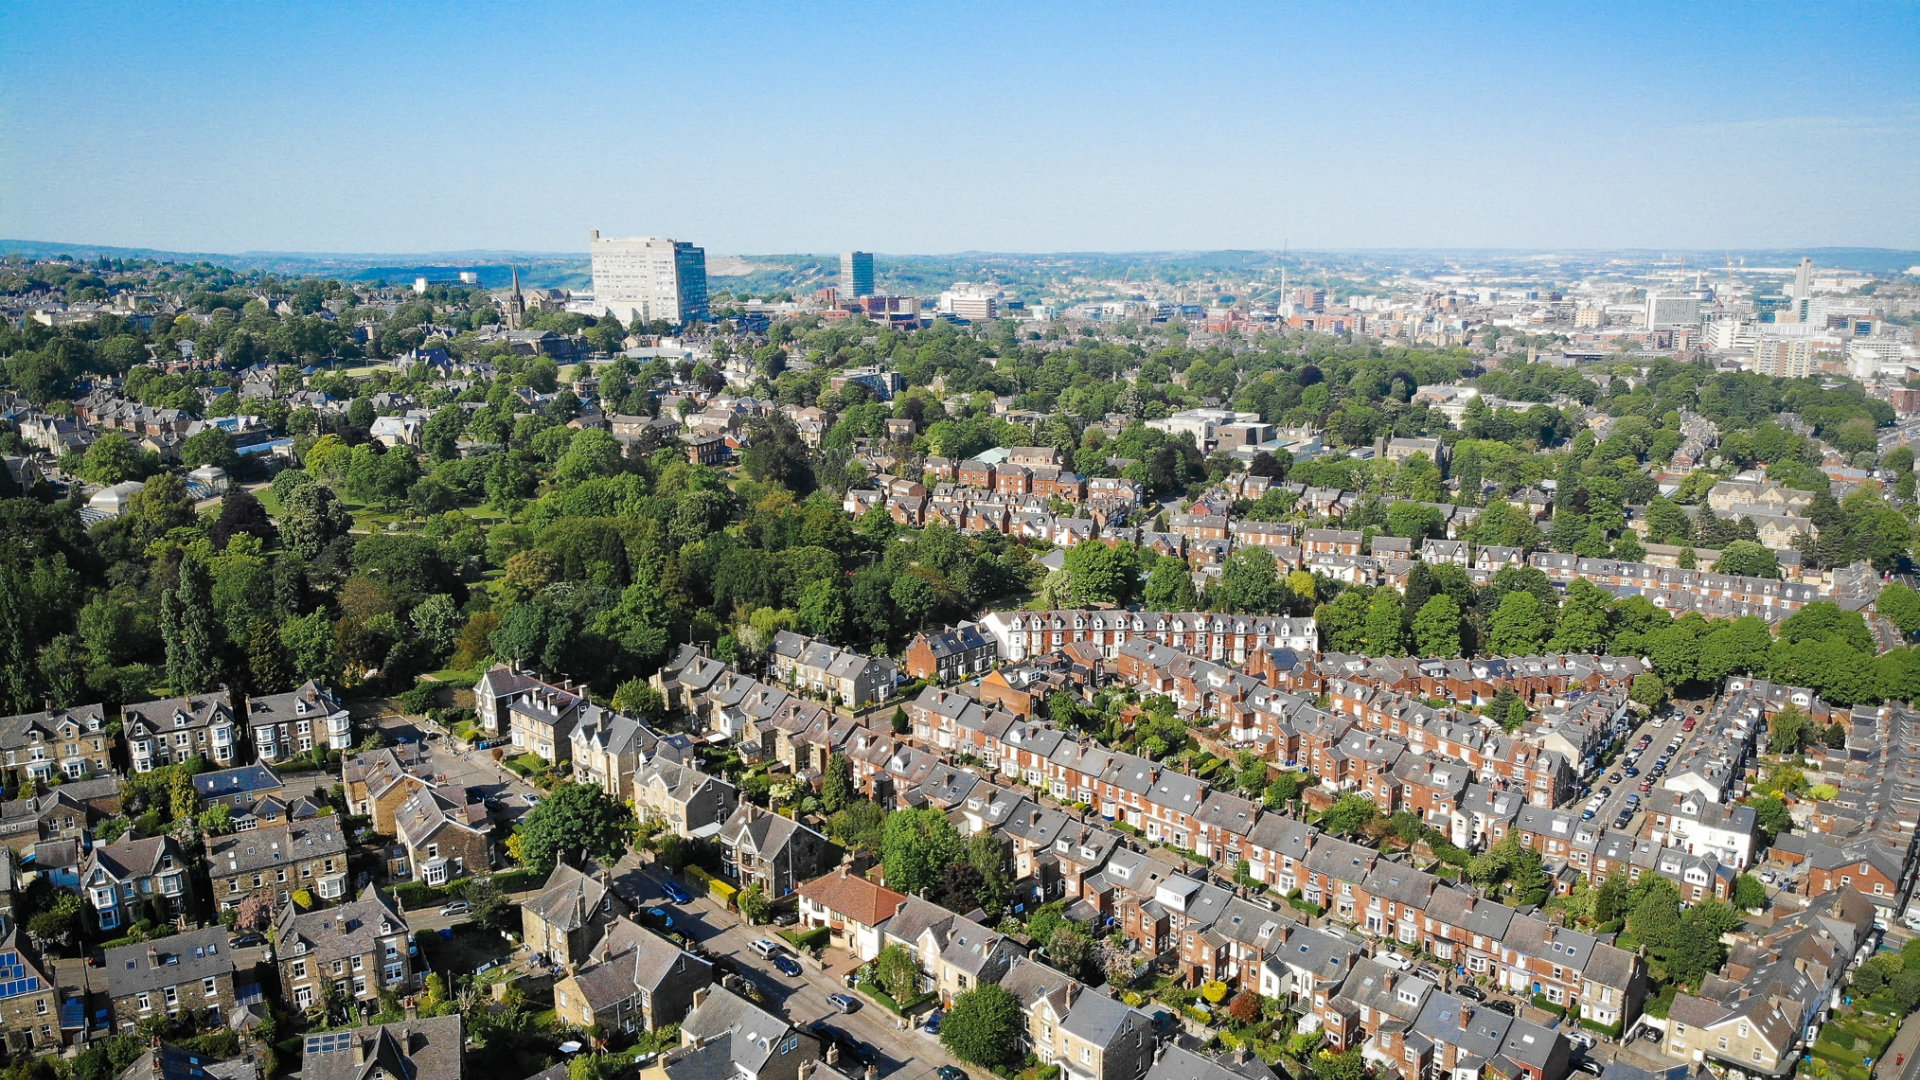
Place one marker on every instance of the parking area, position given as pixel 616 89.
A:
pixel 1619 789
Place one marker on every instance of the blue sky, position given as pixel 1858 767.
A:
pixel 414 127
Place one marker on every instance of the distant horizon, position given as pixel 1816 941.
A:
pixel 1117 126
pixel 9 246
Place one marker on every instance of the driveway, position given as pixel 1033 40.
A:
pixel 911 1054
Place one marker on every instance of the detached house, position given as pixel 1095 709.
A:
pixel 443 835
pixel 571 914
pixel 361 947
pixel 851 908
pixel 635 980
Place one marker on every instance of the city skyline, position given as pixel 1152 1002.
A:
pixel 1077 129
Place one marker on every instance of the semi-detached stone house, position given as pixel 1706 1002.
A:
pixel 1099 1038
pixel 70 743
pixel 175 976
pixel 282 725
pixel 688 801
pixel 360 948
pixel 538 716
pixel 431 1047
pixel 443 835
pixel 378 783
pixel 274 862
pixel 777 853
pixel 172 731
pixel 851 908
pixel 635 980
pixel 571 914
pixel 29 1005
pixel 132 879
pixel 955 953
pixel 608 747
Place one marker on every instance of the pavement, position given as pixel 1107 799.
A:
pixel 1902 1058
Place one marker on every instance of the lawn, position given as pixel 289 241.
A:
pixel 1849 1043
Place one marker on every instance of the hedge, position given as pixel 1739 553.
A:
pixel 714 885
pixel 816 938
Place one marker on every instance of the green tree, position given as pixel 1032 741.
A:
pixel 897 971
pixel 836 788
pixel 1582 627
pixel 1249 583
pixel 1349 814
pixel 1789 731
pixel 753 904
pixel 311 519
pixel 1649 690
pixel 1748 892
pixel 188 628
pixel 1170 587
pixel 17 691
pixel 1901 606
pixel 916 848
pixel 111 459
pixel 1437 627
pixel 1749 559
pixel 1344 1065
pixel 1100 573
pixel 210 446
pixel 1385 633
pixel 581 820
pixel 984 1025
pixel 1518 626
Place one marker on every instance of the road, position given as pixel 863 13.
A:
pixel 911 1054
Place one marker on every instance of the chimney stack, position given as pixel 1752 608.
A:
pixel 153 956
pixel 833 1053
pixel 359 1051
pixel 700 997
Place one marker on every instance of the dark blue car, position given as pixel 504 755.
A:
pixel 675 893
pixel 787 966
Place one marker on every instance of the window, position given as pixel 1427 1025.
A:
pixel 40 1006
pixel 303 996
pixel 393 973
pixel 1086 1055
pixel 144 1001
pixel 208 987
pixel 299 969
pixel 357 963
pixel 173 996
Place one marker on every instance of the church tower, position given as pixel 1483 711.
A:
pixel 516 305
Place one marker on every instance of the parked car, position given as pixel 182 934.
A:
pixel 1621 821
pixel 932 1026
pixel 1614 779
pixel 1389 958
pixel 1587 814
pixel 666 919
pixel 786 918
pixel 787 966
pixel 1471 993
pixel 764 947
pixel 533 801
pixel 675 893
pixel 247 941
pixel 1580 1039
pixel 1499 1006
pixel 1589 1066
pixel 843 1002
pixel 949 1072
pixel 1687 724
pixel 458 907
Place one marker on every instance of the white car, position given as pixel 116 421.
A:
pixel 764 947
pixel 1394 960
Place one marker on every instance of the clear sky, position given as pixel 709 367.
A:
pixel 920 128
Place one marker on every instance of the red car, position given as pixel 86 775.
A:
pixel 1687 725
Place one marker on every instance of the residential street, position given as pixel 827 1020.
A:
pixel 911 1054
